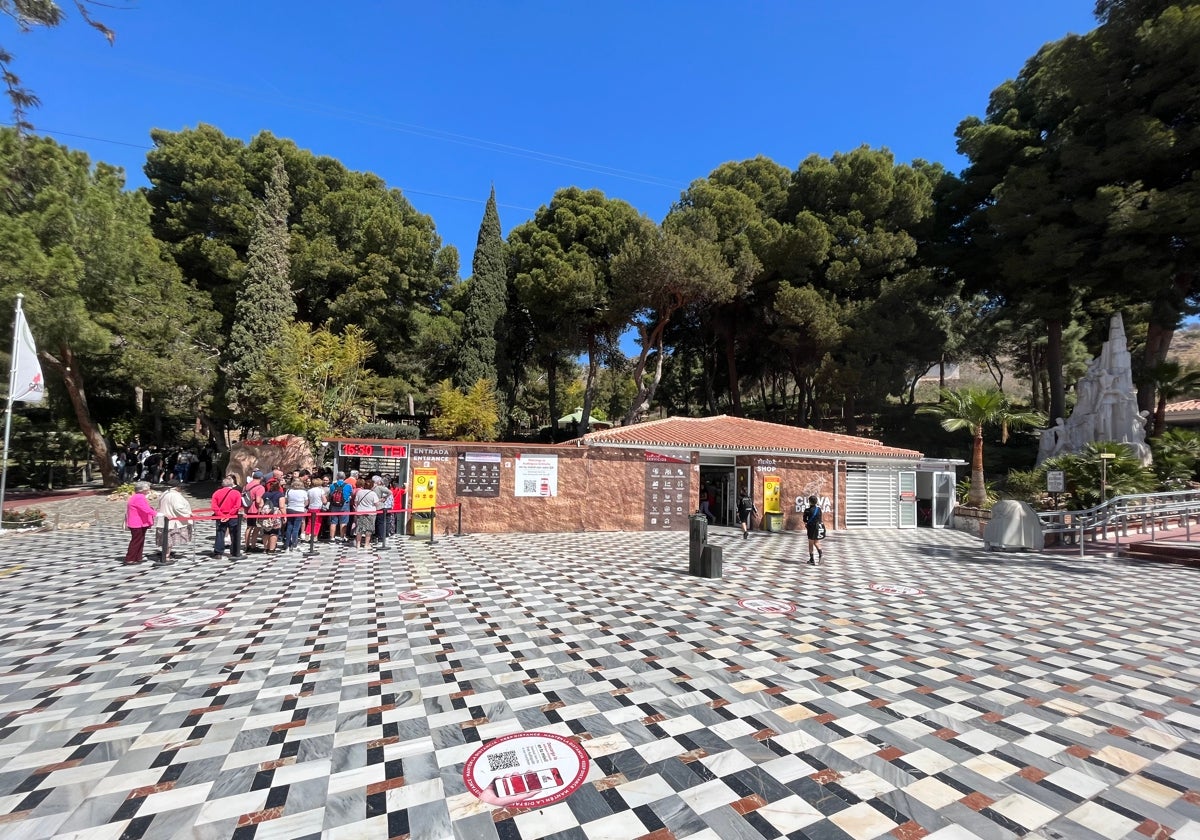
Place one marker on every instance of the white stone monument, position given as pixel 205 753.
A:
pixel 1105 406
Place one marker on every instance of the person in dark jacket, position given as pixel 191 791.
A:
pixel 813 526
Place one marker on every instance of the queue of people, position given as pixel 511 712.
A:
pixel 272 513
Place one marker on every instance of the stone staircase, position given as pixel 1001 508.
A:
pixel 1184 553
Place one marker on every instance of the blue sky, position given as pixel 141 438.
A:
pixel 444 99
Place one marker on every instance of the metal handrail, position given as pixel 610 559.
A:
pixel 1144 510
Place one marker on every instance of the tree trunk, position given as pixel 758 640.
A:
pixel 1158 342
pixel 735 393
pixel 73 379
pixel 1054 368
pixel 589 385
pixel 977 497
pixel 552 392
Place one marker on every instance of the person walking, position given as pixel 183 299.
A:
pixel 746 509
pixel 226 505
pixel 139 516
pixel 814 527
pixel 175 517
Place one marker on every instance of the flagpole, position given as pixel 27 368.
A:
pixel 12 372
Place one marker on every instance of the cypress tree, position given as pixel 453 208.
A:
pixel 266 304
pixel 486 302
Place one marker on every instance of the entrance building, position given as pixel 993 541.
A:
pixel 652 476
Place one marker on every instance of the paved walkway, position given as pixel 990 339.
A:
pixel 580 687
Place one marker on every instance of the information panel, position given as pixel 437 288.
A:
pixel 667 492
pixel 536 475
pixel 478 474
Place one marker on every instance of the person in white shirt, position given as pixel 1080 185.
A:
pixel 318 500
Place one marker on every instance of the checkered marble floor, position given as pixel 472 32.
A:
pixel 967 695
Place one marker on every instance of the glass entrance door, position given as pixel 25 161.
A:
pixel 943 499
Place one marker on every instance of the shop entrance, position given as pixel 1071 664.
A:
pixel 717 482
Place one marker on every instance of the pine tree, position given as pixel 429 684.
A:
pixel 487 301
pixel 266 304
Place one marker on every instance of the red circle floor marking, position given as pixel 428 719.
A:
pixel 180 618
pixel 429 593
pixel 770 606
pixel 897 589
pixel 526 770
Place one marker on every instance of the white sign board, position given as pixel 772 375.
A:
pixel 536 475
pixel 1055 482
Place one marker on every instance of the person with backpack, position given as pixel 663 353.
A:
pixel 366 504
pixel 815 529
pixel 745 509
pixel 272 509
pixel 340 493
pixel 252 496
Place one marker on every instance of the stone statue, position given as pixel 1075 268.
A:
pixel 1105 404
pixel 1054 440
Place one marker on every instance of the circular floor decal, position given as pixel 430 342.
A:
pixel 771 606
pixel 429 593
pixel 526 769
pixel 734 567
pixel 896 589
pixel 179 618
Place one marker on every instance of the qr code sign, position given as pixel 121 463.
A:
pixel 529 485
pixel 506 760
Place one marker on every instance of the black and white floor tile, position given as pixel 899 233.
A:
pixel 912 685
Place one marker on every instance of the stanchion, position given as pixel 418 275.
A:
pixel 459 506
pixel 164 555
pixel 432 523
pixel 235 551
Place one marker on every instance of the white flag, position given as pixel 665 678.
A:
pixel 27 383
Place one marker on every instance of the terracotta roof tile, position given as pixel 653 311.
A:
pixel 738 433
pixel 1183 405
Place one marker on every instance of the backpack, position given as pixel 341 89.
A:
pixel 270 521
pixel 745 505
pixel 247 499
pixel 337 496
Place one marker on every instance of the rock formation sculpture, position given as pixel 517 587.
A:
pixel 1105 406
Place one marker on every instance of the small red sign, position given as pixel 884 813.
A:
pixel 770 606
pixel 526 770
pixel 430 593
pixel 896 589
pixel 734 567
pixel 181 618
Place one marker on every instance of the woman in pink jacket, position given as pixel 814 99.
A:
pixel 139 516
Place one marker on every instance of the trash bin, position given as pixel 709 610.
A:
pixel 711 561
pixel 773 522
pixel 421 524
pixel 697 539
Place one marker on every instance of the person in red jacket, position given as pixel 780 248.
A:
pixel 226 505
pixel 139 516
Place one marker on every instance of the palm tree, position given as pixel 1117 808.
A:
pixel 1170 380
pixel 973 408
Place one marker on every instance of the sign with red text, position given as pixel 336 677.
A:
pixel 429 593
pixel 526 770
pixel 372 450
pixel 896 589
pixel 769 606
pixel 181 618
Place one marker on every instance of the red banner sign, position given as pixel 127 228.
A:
pixel 372 450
